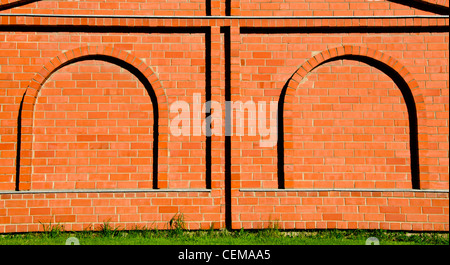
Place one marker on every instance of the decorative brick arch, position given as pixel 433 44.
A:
pixel 402 78
pixel 103 53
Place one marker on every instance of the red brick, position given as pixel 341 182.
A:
pixel 65 218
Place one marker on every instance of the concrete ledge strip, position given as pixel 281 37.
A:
pixel 102 191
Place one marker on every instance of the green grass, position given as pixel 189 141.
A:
pixel 176 234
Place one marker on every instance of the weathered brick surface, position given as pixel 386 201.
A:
pixel 85 105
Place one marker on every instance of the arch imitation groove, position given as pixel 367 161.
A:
pixel 404 80
pixel 434 6
pixel 8 4
pixel 103 53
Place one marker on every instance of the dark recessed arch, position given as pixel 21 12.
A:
pixel 388 65
pixel 106 54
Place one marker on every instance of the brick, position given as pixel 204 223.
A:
pixel 395 217
pixel 432 210
pixel 168 209
pixel 65 218
pixel 334 217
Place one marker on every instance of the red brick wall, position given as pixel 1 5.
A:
pixel 122 7
pixel 85 105
pixel 323 8
pixel 347 108
pixel 343 210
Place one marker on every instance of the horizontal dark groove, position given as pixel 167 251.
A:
pixel 418 4
pixel 205 30
pixel 102 191
pixel 344 190
pixel 345 29
pixel 219 17
pixel 102 29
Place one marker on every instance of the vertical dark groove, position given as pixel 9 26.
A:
pixel 227 53
pixel 208 7
pixel 155 139
pixel 208 99
pixel 227 7
pixel 19 143
pixel 280 135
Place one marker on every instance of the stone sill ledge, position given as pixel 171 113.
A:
pixel 101 191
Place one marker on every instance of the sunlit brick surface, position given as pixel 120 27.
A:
pixel 86 89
